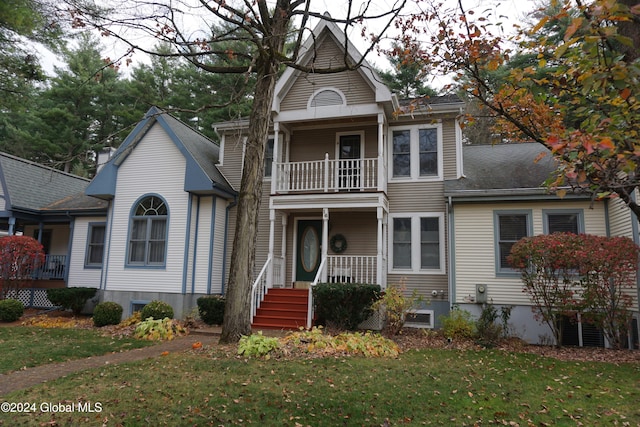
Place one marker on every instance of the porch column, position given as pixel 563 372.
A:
pixel 272 230
pixel 12 226
pixel 325 240
pixel 381 166
pixel 40 228
pixel 276 155
pixel 283 251
pixel 379 255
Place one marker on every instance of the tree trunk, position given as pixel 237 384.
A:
pixel 237 313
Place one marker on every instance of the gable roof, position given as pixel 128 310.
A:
pixel 324 29
pixel 202 176
pixel 505 171
pixel 31 187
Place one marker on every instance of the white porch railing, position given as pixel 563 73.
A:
pixel 327 175
pixel 259 288
pixel 352 269
pixel 318 278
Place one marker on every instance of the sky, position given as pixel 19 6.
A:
pixel 515 10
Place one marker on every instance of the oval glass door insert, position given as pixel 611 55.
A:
pixel 310 249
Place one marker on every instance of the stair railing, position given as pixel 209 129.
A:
pixel 259 288
pixel 319 275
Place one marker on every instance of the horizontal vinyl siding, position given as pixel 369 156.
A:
pixel 78 274
pixel 416 197
pixel 620 218
pixel 475 246
pixel 217 261
pixel 351 83
pixel 232 158
pixel 203 245
pixel 307 145
pixel 449 149
pixel 154 166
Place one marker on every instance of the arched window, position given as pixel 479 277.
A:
pixel 148 232
pixel 326 98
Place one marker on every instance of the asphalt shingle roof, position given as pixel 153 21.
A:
pixel 507 167
pixel 31 186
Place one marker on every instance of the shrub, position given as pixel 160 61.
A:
pixel 344 305
pixel 257 345
pixel 158 329
pixel 211 309
pixel 395 305
pixel 20 256
pixel 157 310
pixel 489 332
pixel 11 310
pixel 458 324
pixel 107 313
pixel 71 298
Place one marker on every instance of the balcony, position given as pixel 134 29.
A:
pixel 325 176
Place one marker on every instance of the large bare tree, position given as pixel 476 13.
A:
pixel 276 31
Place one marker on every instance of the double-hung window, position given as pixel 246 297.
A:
pixel 563 221
pixel 511 226
pixel 416 152
pixel 268 158
pixel 148 233
pixel 418 243
pixel 95 245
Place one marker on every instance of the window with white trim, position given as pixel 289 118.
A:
pixel 511 226
pixel 417 243
pixel 268 157
pixel 95 245
pixel 416 152
pixel 148 233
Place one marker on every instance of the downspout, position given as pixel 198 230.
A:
pixel 226 242
pixel 187 242
pixel 195 247
pixel 450 232
pixel 107 253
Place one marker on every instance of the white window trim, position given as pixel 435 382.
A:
pixel 415 153
pixel 415 243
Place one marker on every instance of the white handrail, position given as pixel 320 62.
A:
pixel 318 277
pixel 259 289
pixel 328 175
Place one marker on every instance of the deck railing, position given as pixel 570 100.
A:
pixel 352 269
pixel 53 268
pixel 327 175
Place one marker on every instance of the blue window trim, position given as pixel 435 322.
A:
pixel 547 212
pixel 135 302
pixel 159 266
pixel 508 272
pixel 90 226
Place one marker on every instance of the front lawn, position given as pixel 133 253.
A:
pixel 421 387
pixel 26 346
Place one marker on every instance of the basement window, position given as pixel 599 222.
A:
pixel 419 319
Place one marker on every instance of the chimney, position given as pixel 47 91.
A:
pixel 103 157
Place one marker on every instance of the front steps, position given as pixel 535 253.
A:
pixel 282 309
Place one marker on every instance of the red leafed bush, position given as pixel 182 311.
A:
pixel 566 274
pixel 20 256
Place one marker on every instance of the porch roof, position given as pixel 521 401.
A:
pixel 31 187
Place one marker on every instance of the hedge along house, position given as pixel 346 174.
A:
pixel 353 187
pixel 42 203
pixel 501 200
pixel 165 230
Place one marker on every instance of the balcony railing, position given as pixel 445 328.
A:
pixel 327 175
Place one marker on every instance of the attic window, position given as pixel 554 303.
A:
pixel 326 98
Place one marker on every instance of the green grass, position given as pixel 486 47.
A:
pixel 25 346
pixel 429 387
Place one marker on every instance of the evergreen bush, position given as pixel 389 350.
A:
pixel 211 309
pixel 71 298
pixel 157 310
pixel 11 310
pixel 344 305
pixel 107 313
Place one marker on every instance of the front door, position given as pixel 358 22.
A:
pixel 309 254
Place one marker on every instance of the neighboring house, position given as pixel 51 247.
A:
pixel 42 202
pixel 499 201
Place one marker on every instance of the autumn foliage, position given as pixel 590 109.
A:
pixel 20 257
pixel 566 274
